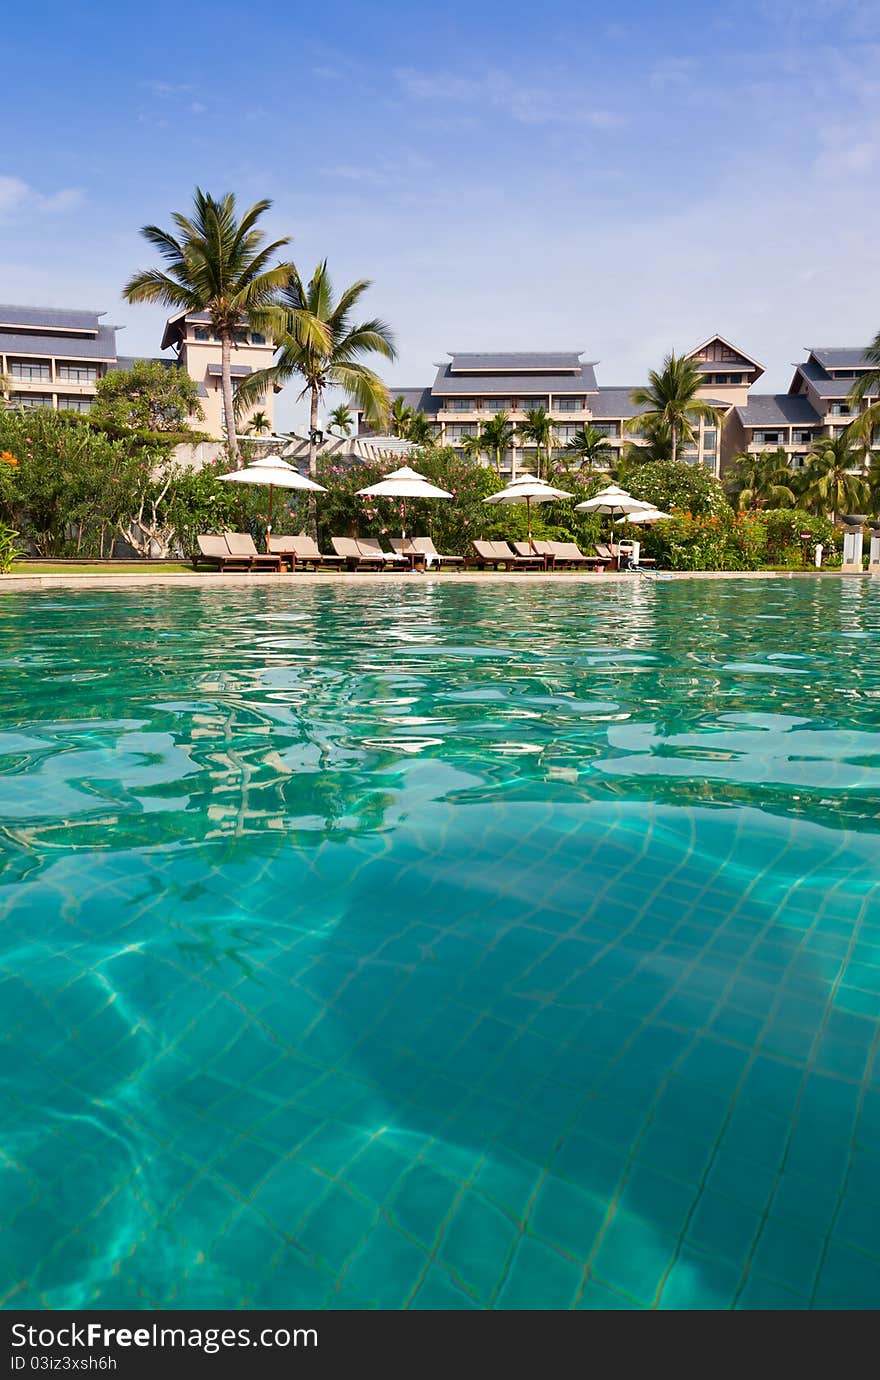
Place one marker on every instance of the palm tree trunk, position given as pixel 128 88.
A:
pixel 228 400
pixel 313 463
pixel 673 431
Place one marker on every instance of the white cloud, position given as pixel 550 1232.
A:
pixel 19 198
pixel 527 104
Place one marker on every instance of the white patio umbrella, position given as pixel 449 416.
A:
pixel 527 489
pixel 404 483
pixel 614 501
pixel 646 518
pixel 277 474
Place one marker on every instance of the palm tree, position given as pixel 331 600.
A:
pixel 762 481
pixel 497 437
pixel 591 447
pixel 401 415
pixel 260 424
pixel 474 446
pixel 538 428
pixel 866 388
pixel 219 265
pixel 671 401
pixel 341 420
pixel 830 486
pixel 420 431
pixel 324 348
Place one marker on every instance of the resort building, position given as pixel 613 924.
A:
pixel 816 404
pixel 199 352
pixel 469 389
pixel 54 358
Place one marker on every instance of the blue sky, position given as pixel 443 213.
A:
pixel 622 178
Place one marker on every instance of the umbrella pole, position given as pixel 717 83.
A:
pixel 269 523
pixel 403 533
pixel 529 521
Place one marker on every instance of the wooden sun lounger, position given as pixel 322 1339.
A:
pixel 349 550
pixel 498 554
pixel 213 550
pixel 416 547
pixel 569 553
pixel 303 551
pixel 241 544
pixel 369 548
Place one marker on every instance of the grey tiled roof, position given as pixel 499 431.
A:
pixel 615 403
pixel 125 362
pixel 447 384
pixel 102 346
pixel 50 317
pixel 419 399
pixel 724 366
pixel 840 357
pixel 528 360
pixel 238 371
pixel 822 384
pixel 778 409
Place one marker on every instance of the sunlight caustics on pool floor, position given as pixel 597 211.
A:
pixel 436 946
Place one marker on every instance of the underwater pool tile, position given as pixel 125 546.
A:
pixel 632 1257
pixel 788 1255
pixel 566 1217
pixel 294 1007
pixel 539 1278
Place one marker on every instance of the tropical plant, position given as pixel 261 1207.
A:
pixel 219 265
pixel 678 486
pixel 866 426
pixel 420 431
pixel 474 447
pixel 324 347
pixel 259 424
pixel 150 396
pixel 538 428
pixel 761 481
pixel 498 436
pixel 9 547
pixel 341 420
pixel 830 482
pixel 670 400
pixel 400 416
pixel 591 448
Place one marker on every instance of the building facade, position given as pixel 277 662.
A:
pixel 816 405
pixel 469 389
pixel 472 388
pixel 53 359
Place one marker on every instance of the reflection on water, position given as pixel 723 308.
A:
pixel 440 945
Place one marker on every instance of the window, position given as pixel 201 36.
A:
pixel 456 430
pixel 767 438
pixel 78 373
pixel 840 409
pixel 257 339
pixel 75 404
pixel 532 404
pixel 30 400
pixel 803 437
pixel 606 428
pixel 240 337
pixel 494 405
pixel 567 431
pixel 461 404
pixel 202 333
pixel 30 371
pixel 568 404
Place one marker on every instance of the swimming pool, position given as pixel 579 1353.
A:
pixel 441 945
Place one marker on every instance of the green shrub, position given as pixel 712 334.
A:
pixel 9 548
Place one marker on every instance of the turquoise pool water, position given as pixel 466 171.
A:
pixel 441 945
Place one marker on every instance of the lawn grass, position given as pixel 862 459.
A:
pixel 132 568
